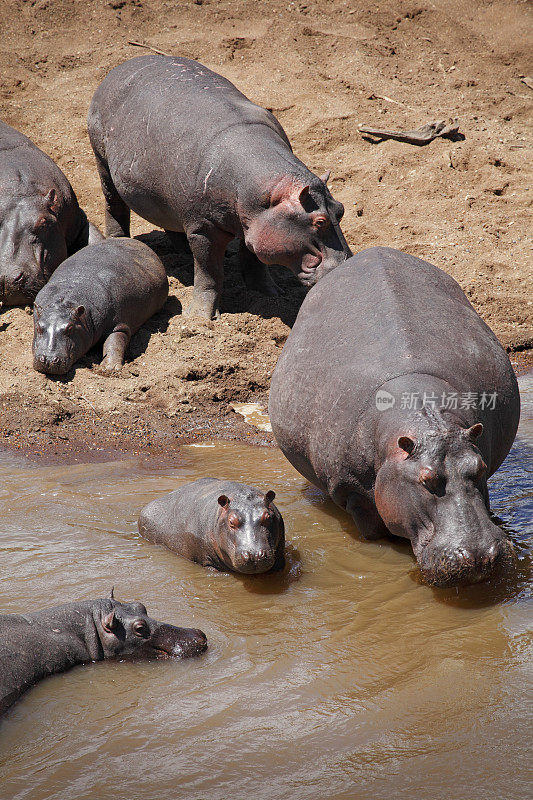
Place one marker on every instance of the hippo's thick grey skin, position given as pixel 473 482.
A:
pixel 390 323
pixel 183 148
pixel 221 524
pixel 54 640
pixel 106 291
pixel 41 222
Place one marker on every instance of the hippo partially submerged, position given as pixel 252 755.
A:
pixel 54 640
pixel 183 148
pixel 394 397
pixel 104 292
pixel 41 222
pixel 221 524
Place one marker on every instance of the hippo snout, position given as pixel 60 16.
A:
pixel 254 561
pixel 51 365
pixel 464 565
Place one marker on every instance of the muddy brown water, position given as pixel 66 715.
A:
pixel 343 678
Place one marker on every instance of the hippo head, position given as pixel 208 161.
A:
pixel 432 490
pixel 299 228
pixel 61 333
pixel 125 629
pixel 248 532
pixel 32 245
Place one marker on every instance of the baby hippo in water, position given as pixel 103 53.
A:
pixel 40 644
pixel 106 291
pixel 221 524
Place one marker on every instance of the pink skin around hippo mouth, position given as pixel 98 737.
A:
pixel 310 263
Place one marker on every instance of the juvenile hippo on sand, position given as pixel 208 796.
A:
pixel 41 222
pixel 107 292
pixel 386 333
pixel 54 640
pixel 221 524
pixel 183 148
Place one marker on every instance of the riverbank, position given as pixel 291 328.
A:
pixel 323 68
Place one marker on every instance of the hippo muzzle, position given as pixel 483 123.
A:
pixel 254 561
pixel 169 641
pixel 460 565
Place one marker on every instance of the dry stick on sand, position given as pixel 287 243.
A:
pixel 149 47
pixel 420 136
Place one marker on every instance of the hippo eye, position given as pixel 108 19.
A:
pixel 321 222
pixel 478 470
pixel 234 521
pixel 19 278
pixel 140 628
pixel 430 479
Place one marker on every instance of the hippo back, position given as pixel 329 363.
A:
pixel 382 315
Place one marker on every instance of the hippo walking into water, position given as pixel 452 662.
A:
pixel 394 397
pixel 42 643
pixel 221 524
pixel 41 222
pixel 102 292
pixel 183 148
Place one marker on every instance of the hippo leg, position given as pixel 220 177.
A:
pixel 117 213
pixel 208 248
pixel 256 275
pixel 367 520
pixel 114 349
pixel 89 234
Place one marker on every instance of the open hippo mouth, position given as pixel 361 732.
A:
pixel 309 266
pixel 168 641
pixel 460 566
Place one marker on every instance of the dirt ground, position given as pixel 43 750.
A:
pixel 322 67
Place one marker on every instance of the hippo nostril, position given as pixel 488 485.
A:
pixel 55 360
pixel 42 359
pixel 247 556
pixel 19 278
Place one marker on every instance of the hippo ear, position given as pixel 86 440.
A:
pixel 325 177
pixel 303 193
pixel 269 497
pixel 407 444
pixel 223 501
pixel 52 201
pixel 475 431
pixel 109 622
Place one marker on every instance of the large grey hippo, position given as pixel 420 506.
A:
pixel 41 222
pixel 394 397
pixel 42 643
pixel 183 148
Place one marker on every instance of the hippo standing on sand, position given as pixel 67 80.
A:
pixel 183 148
pixel 41 222
pixel 221 524
pixel 107 292
pixel 394 397
pixel 40 644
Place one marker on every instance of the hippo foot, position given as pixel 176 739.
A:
pixel 109 368
pixel 201 310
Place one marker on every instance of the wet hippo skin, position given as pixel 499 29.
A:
pixel 217 523
pixel 45 642
pixel 41 222
pixel 183 148
pixel 104 292
pixel 388 328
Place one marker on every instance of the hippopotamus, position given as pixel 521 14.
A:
pixel 104 291
pixel 187 151
pixel 45 642
pixel 222 524
pixel 396 399
pixel 41 222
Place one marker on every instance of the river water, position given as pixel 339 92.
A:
pixel 343 679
